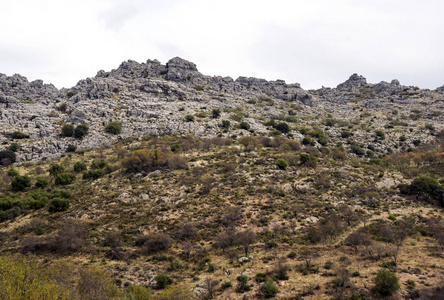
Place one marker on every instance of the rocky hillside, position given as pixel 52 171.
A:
pixel 157 182
pixel 151 98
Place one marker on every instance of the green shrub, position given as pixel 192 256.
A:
pixel 386 283
pixel 80 131
pixel 281 163
pixel 19 135
pixel 225 285
pixel 58 205
pixel 427 186
pixel 71 148
pixel 67 130
pixel 269 289
pixel 79 166
pixel 292 255
pixel 98 164
pixel 20 183
pixel 65 178
pixel 56 169
pixel 189 118
pixel 114 128
pixel 163 280
pixel 14 147
pixel 41 183
pixel 244 125
pixel 13 172
pixel 215 113
pixel 261 277
pixel 242 286
pixel 225 124
pixel 282 127
pixel 7 157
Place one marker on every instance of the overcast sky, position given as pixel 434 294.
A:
pixel 312 42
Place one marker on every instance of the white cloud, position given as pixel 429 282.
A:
pixel 315 42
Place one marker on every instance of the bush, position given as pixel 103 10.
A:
pixel 215 113
pixel 243 286
pixel 261 277
pixel 386 283
pixel 58 205
pixel 14 147
pixel 281 163
pixel 67 130
pixel 80 131
pixel 19 135
pixel 98 164
pixel 163 280
pixel 92 174
pixel 244 125
pixel 56 169
pixel 7 157
pixel 65 178
pixel 283 127
pixel 269 289
pixel 189 118
pixel 41 183
pixel 427 186
pixel 79 166
pixel 71 148
pixel 20 183
pixel 154 243
pixel 225 124
pixel 114 128
pixel 13 172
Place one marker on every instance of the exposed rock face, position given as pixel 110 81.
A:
pixel 151 98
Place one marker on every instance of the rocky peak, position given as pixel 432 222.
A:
pixel 181 70
pixel 354 81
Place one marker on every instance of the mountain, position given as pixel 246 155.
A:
pixel 155 181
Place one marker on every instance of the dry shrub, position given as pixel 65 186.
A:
pixel 68 239
pixel 338 154
pixel 146 160
pixel 248 142
pixel 153 243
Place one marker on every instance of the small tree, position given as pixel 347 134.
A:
pixel 246 238
pixel 386 283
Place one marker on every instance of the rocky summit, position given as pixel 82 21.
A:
pixel 153 99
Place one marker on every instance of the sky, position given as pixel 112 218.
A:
pixel 312 42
